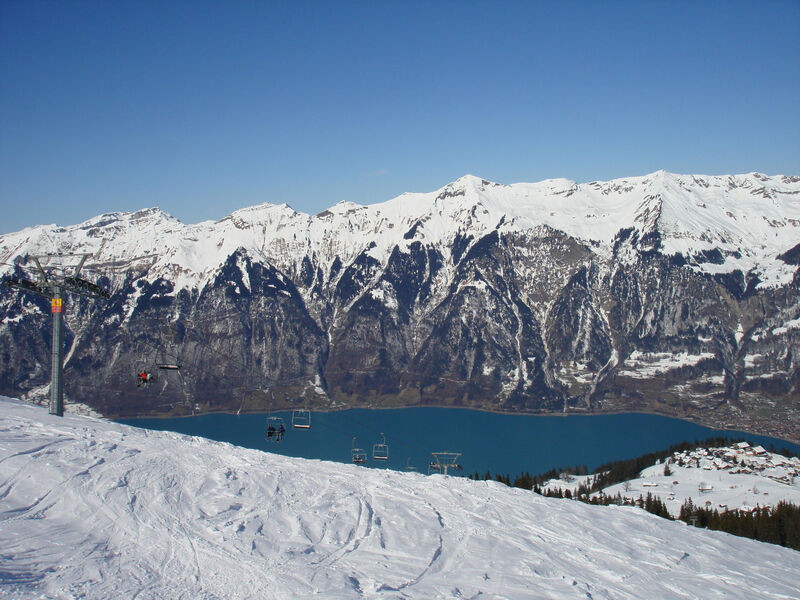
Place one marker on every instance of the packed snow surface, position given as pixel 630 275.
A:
pixel 95 509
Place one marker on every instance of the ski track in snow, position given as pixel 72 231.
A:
pixel 95 509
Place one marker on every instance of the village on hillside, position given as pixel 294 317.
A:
pixel 739 478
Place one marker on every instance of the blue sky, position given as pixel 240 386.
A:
pixel 201 108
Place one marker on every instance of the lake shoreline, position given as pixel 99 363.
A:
pixel 486 441
pixel 561 414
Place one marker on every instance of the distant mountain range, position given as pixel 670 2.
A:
pixel 673 293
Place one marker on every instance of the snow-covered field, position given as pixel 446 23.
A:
pixel 713 479
pixel 728 478
pixel 94 509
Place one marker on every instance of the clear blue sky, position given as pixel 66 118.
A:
pixel 201 108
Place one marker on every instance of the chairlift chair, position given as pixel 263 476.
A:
pixel 359 457
pixel 276 429
pixel 168 366
pixel 301 418
pixel 381 451
pixel 144 375
pixel 159 360
pixel 167 361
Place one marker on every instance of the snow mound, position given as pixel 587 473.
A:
pixel 95 509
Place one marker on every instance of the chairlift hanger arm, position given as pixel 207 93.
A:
pixel 73 284
pixel 29 286
pixel 42 272
pixel 80 265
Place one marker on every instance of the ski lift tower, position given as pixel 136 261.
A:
pixel 442 461
pixel 52 285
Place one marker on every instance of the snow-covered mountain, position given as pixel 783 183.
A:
pixel 95 509
pixel 677 293
pixel 747 219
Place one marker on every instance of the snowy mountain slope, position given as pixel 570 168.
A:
pixel 90 508
pixel 722 479
pixel 753 215
pixel 674 293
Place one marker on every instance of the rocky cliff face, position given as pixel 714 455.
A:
pixel 666 292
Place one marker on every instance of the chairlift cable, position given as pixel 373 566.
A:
pixel 404 448
pixel 190 328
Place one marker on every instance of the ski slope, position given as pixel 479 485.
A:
pixel 95 509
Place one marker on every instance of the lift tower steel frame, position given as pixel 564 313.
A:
pixel 53 287
pixel 443 461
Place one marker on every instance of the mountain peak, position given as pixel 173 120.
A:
pixel 460 186
pixel 468 178
pixel 694 214
pixel 153 212
pixel 472 181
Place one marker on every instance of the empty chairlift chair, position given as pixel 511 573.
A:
pixel 381 451
pixel 168 366
pixel 301 418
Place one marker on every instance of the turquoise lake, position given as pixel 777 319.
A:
pixel 499 443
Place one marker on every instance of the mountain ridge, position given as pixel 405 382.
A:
pixel 674 293
pixel 436 216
